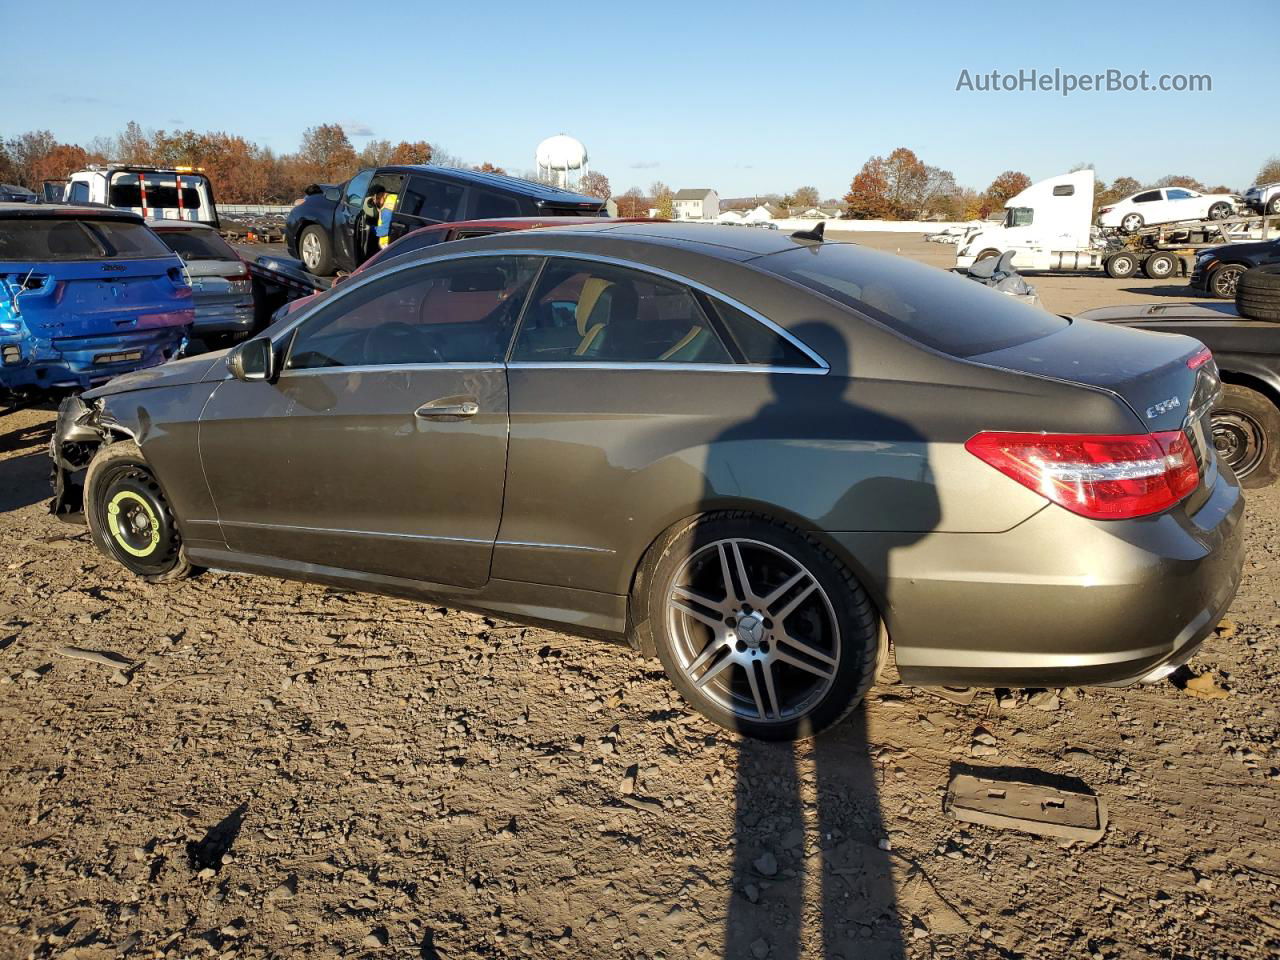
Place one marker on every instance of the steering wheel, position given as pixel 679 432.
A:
pixel 397 342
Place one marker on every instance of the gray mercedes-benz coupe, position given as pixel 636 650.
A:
pixel 760 457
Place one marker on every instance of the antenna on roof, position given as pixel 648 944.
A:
pixel 815 234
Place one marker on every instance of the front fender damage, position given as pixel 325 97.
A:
pixel 83 427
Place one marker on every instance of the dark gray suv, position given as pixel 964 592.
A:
pixel 759 456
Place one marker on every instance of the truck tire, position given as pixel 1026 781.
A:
pixel 315 250
pixel 1258 293
pixel 1246 435
pixel 1220 210
pixel 1221 283
pixel 1160 266
pixel 1121 266
pixel 1132 223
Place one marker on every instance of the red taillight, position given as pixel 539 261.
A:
pixel 1106 209
pixel 1198 360
pixel 1102 477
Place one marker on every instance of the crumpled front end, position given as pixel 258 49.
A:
pixel 77 434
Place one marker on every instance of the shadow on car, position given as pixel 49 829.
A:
pixel 807 814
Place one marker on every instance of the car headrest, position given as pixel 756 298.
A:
pixel 592 288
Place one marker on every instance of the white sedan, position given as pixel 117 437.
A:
pixel 1166 205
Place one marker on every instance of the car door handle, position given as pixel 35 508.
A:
pixel 436 410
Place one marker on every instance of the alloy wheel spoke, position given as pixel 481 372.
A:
pixel 755 691
pixel 780 654
pixel 778 594
pixel 706 678
pixel 808 650
pixel 707 653
pixel 730 594
pixel 688 609
pixel 724 607
pixel 794 602
pixel 770 690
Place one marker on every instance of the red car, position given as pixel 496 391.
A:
pixel 444 232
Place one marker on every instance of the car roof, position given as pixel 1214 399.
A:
pixel 500 181
pixel 52 210
pixel 735 242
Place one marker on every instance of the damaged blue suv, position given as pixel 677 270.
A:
pixel 86 293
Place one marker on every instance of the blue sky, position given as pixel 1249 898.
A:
pixel 743 97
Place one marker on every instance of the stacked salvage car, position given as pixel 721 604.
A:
pixel 86 293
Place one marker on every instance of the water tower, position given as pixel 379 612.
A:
pixel 561 160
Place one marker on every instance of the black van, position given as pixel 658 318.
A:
pixel 331 229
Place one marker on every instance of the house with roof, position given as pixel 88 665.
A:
pixel 696 204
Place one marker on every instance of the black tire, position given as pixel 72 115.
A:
pixel 986 255
pixel 1273 206
pixel 1258 293
pixel 1246 435
pixel 1220 210
pixel 1160 266
pixel 1221 283
pixel 1131 222
pixel 315 250
pixel 1121 266
pixel 129 517
pixel 748 668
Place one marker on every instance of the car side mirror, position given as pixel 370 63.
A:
pixel 253 360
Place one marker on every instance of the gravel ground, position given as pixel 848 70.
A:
pixel 283 770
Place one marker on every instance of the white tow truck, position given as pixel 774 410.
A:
pixel 157 193
pixel 1049 227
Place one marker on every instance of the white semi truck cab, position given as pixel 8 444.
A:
pixel 158 193
pixel 1047 226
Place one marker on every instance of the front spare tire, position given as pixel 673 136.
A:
pixel 759 626
pixel 1258 293
pixel 129 516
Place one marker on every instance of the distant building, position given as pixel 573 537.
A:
pixel 696 205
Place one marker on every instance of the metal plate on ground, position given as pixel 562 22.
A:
pixel 1017 804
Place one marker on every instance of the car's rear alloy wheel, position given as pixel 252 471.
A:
pixel 762 628
pixel 1131 223
pixel 1220 210
pixel 129 517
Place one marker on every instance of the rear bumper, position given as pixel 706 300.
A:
pixel 82 362
pixel 223 318
pixel 1058 600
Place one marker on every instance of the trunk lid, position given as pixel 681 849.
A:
pixel 78 299
pixel 1167 380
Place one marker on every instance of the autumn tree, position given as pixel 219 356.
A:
pixel 595 184
pixel 419 151
pixel 326 154
pixel 938 194
pixel 632 204
pixel 1120 188
pixel 1191 183
pixel 664 200
pixel 1009 184
pixel 376 153
pixel 488 167
pixel 868 196
pixel 806 197
pixel 8 172
pixel 1269 172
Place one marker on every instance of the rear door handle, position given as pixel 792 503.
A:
pixel 437 410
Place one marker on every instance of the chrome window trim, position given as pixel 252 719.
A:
pixel 552 546
pixel 494 365
pixel 352 285
pixel 659 365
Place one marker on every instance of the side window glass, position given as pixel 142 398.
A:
pixel 1148 197
pixel 593 312
pixel 79 192
pixel 431 199
pixel 490 206
pixel 458 311
pixel 758 343
pixel 357 186
pixel 1177 194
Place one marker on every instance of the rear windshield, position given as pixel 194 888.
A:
pixel 554 211
pixel 62 239
pixel 197 244
pixel 949 313
pixel 161 190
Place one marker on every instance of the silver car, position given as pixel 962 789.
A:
pixel 221 286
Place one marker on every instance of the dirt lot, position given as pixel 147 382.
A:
pixel 295 771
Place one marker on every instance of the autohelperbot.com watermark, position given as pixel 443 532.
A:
pixel 1065 83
